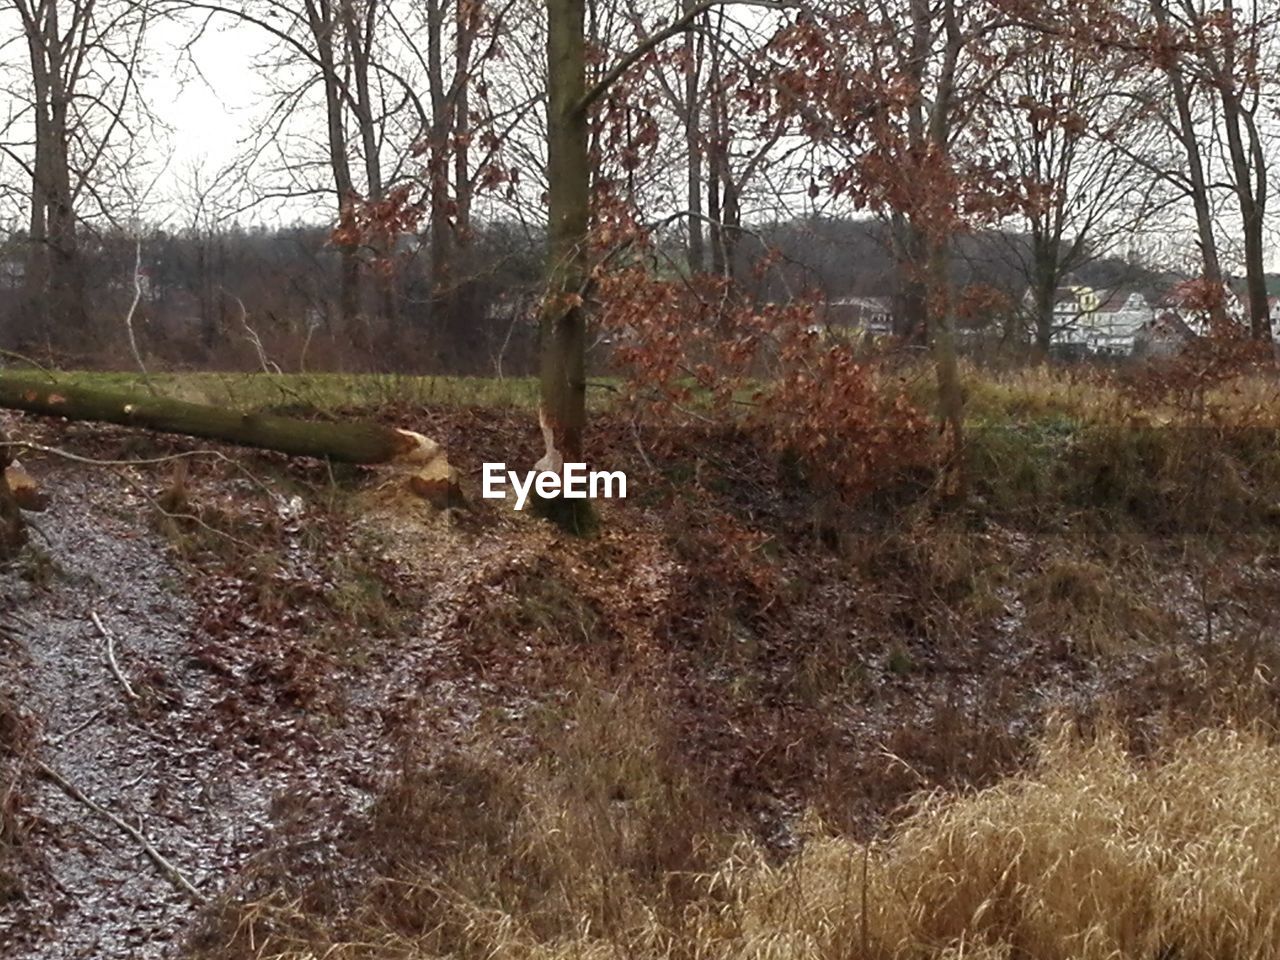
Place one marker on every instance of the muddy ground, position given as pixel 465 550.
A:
pixel 208 747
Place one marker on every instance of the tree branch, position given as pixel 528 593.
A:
pixel 682 23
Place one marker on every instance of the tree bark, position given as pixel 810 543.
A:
pixel 367 443
pixel 322 24
pixel 563 328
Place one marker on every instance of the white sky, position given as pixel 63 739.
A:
pixel 208 113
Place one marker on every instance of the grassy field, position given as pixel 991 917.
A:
pixel 1029 395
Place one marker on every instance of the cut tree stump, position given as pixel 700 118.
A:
pixel 348 442
pixel 12 533
pixel 26 492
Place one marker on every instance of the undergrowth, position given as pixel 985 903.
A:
pixel 596 842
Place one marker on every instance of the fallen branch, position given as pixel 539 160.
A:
pixel 13 355
pixel 171 873
pixel 110 639
pixel 128 320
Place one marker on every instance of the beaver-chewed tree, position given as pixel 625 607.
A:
pixel 422 460
pixel 12 534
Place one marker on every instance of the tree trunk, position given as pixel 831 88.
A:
pixel 943 348
pixel 359 31
pixel 1252 210
pixel 911 313
pixel 321 21
pixel 563 330
pixel 693 147
pixel 718 200
pixel 368 443
pixel 941 302
pixel 444 314
pixel 37 265
pixel 58 281
pixel 1044 286
pixel 462 123
pixel 1189 134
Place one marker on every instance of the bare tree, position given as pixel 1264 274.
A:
pixel 1232 60
pixel 1062 110
pixel 85 111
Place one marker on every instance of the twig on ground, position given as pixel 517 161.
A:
pixel 172 873
pixel 110 639
pixel 145 461
pixel 67 735
pixel 95 462
pixel 13 354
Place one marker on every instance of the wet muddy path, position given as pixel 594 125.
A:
pixel 205 759
pixel 147 760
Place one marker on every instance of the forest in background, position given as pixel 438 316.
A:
pixel 208 299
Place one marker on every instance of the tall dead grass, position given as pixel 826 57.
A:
pixel 1093 855
pixel 601 849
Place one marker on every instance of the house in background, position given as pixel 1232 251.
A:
pixel 864 315
pixel 1099 322
pixel 1181 316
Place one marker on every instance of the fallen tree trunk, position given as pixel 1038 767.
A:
pixel 368 443
pixel 431 477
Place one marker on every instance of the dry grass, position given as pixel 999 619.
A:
pixel 1090 396
pixel 600 848
pixel 936 577
pixel 1094 607
pixel 592 829
pixel 1094 855
pixel 580 829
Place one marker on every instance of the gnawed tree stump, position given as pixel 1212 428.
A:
pixel 437 483
pixel 12 533
pixel 422 459
pixel 26 492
